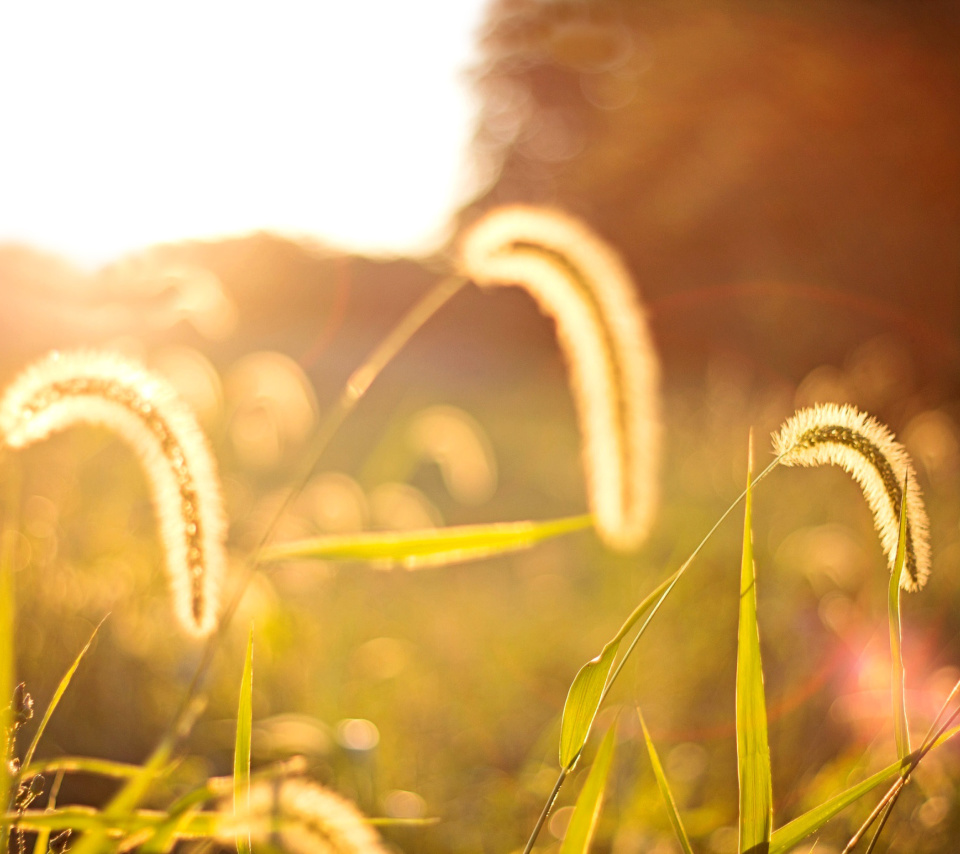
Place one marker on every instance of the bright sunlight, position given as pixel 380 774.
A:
pixel 127 124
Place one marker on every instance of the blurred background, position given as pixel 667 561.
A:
pixel 249 201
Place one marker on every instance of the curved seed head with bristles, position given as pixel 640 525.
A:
pixel 582 284
pixel 302 817
pixel 844 436
pixel 85 387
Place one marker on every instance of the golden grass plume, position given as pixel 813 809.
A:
pixel 581 283
pixel 842 435
pixel 88 387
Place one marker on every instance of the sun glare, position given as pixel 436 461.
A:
pixel 127 124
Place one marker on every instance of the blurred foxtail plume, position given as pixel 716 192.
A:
pixel 303 817
pixel 580 282
pixel 87 387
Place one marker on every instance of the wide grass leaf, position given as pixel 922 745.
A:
pixel 586 813
pixel 241 754
pixel 591 682
pixel 665 792
pixel 901 726
pixel 428 546
pixel 753 750
pixel 583 700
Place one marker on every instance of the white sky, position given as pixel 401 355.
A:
pixel 126 122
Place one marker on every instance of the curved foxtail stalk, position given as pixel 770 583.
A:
pixel 583 285
pixel 83 387
pixel 846 437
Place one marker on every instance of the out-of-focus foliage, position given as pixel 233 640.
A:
pixel 784 182
pixel 758 165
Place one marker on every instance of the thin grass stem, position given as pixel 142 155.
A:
pixel 546 811
pixel 883 821
pixel 678 574
pixel 877 810
pixel 354 390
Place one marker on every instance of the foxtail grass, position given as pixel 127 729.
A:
pixel 87 387
pixel 866 449
pixel 583 285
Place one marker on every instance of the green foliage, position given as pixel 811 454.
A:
pixel 241 753
pixel 55 701
pixel 593 681
pixel 395 648
pixel 586 813
pixel 753 749
pixel 431 547
pixel 667 795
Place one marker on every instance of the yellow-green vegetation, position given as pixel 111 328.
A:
pixel 457 708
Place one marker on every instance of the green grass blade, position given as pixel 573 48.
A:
pixel 753 750
pixel 57 696
pixel 7 666
pixel 429 546
pixel 588 687
pixel 901 726
pixel 665 792
pixel 96 823
pixel 583 822
pixel 241 755
pixel 794 832
pixel 581 705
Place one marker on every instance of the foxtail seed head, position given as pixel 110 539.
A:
pixel 302 817
pixel 84 387
pixel 844 436
pixel 581 283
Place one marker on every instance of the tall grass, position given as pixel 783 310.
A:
pixel 583 286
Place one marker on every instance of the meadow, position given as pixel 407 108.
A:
pixel 428 681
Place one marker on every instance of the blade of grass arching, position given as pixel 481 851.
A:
pixel 57 696
pixel 665 792
pixel 753 750
pixel 901 725
pixel 429 546
pixel 791 834
pixel 241 754
pixel 586 813
pixel 7 666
